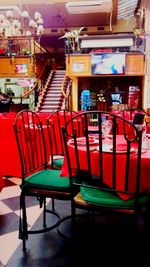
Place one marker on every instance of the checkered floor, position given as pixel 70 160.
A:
pixel 9 218
pixel 108 243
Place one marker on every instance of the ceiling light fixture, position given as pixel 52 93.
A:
pixel 58 17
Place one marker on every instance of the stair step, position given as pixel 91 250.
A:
pixel 51 102
pixel 57 88
pixel 57 79
pixel 46 111
pixel 50 109
pixel 51 99
pixel 55 85
pixel 53 93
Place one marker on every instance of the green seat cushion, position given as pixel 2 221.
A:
pixel 58 162
pixel 108 199
pixel 47 179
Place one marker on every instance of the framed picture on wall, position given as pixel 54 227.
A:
pixel 78 66
pixel 21 68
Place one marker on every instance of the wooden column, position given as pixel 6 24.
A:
pixel 75 93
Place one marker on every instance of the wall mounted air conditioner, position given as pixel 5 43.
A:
pixel 16 11
pixel 101 6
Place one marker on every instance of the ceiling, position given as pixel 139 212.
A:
pixel 57 20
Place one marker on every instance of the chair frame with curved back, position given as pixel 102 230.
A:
pixel 95 193
pixel 56 121
pixel 38 179
pixel 137 115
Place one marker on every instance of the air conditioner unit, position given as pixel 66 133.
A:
pixel 101 6
pixel 15 9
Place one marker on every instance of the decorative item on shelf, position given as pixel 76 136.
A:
pixel 138 30
pixel 2 51
pixel 101 100
pixel 21 24
pixel 101 96
pixel 139 37
pixel 12 60
pixel 26 51
pixel 72 40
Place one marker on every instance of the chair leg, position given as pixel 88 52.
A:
pixel 23 231
pixel 146 222
pixel 53 204
pixel 44 213
pixel 73 218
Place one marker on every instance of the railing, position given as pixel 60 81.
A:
pixel 31 93
pixel 39 49
pixel 20 46
pixel 66 89
pixel 16 46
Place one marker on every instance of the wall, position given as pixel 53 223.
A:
pixel 146 6
pixel 18 90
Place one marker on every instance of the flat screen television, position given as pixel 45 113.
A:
pixel 108 63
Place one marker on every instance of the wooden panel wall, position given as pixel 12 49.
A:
pixel 80 65
pixel 8 66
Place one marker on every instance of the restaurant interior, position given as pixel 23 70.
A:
pixel 74 133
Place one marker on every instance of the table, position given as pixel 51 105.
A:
pixel 1 182
pixel 107 161
pixel 9 157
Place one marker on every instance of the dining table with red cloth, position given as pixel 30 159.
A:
pixel 107 161
pixel 1 182
pixel 9 156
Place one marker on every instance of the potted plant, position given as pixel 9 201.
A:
pixel 72 40
pixel 139 36
pixel 25 51
pixel 10 92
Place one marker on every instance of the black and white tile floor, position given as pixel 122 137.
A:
pixel 9 218
pixel 107 245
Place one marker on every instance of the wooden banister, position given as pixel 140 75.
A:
pixel 35 85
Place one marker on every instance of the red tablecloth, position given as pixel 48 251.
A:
pixel 9 157
pixel 107 161
pixel 1 182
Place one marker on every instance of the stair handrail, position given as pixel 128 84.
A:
pixel 35 85
pixel 66 85
pixel 41 48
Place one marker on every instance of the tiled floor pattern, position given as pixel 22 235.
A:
pixel 9 218
pixel 107 244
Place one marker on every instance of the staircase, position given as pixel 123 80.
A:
pixel 52 97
